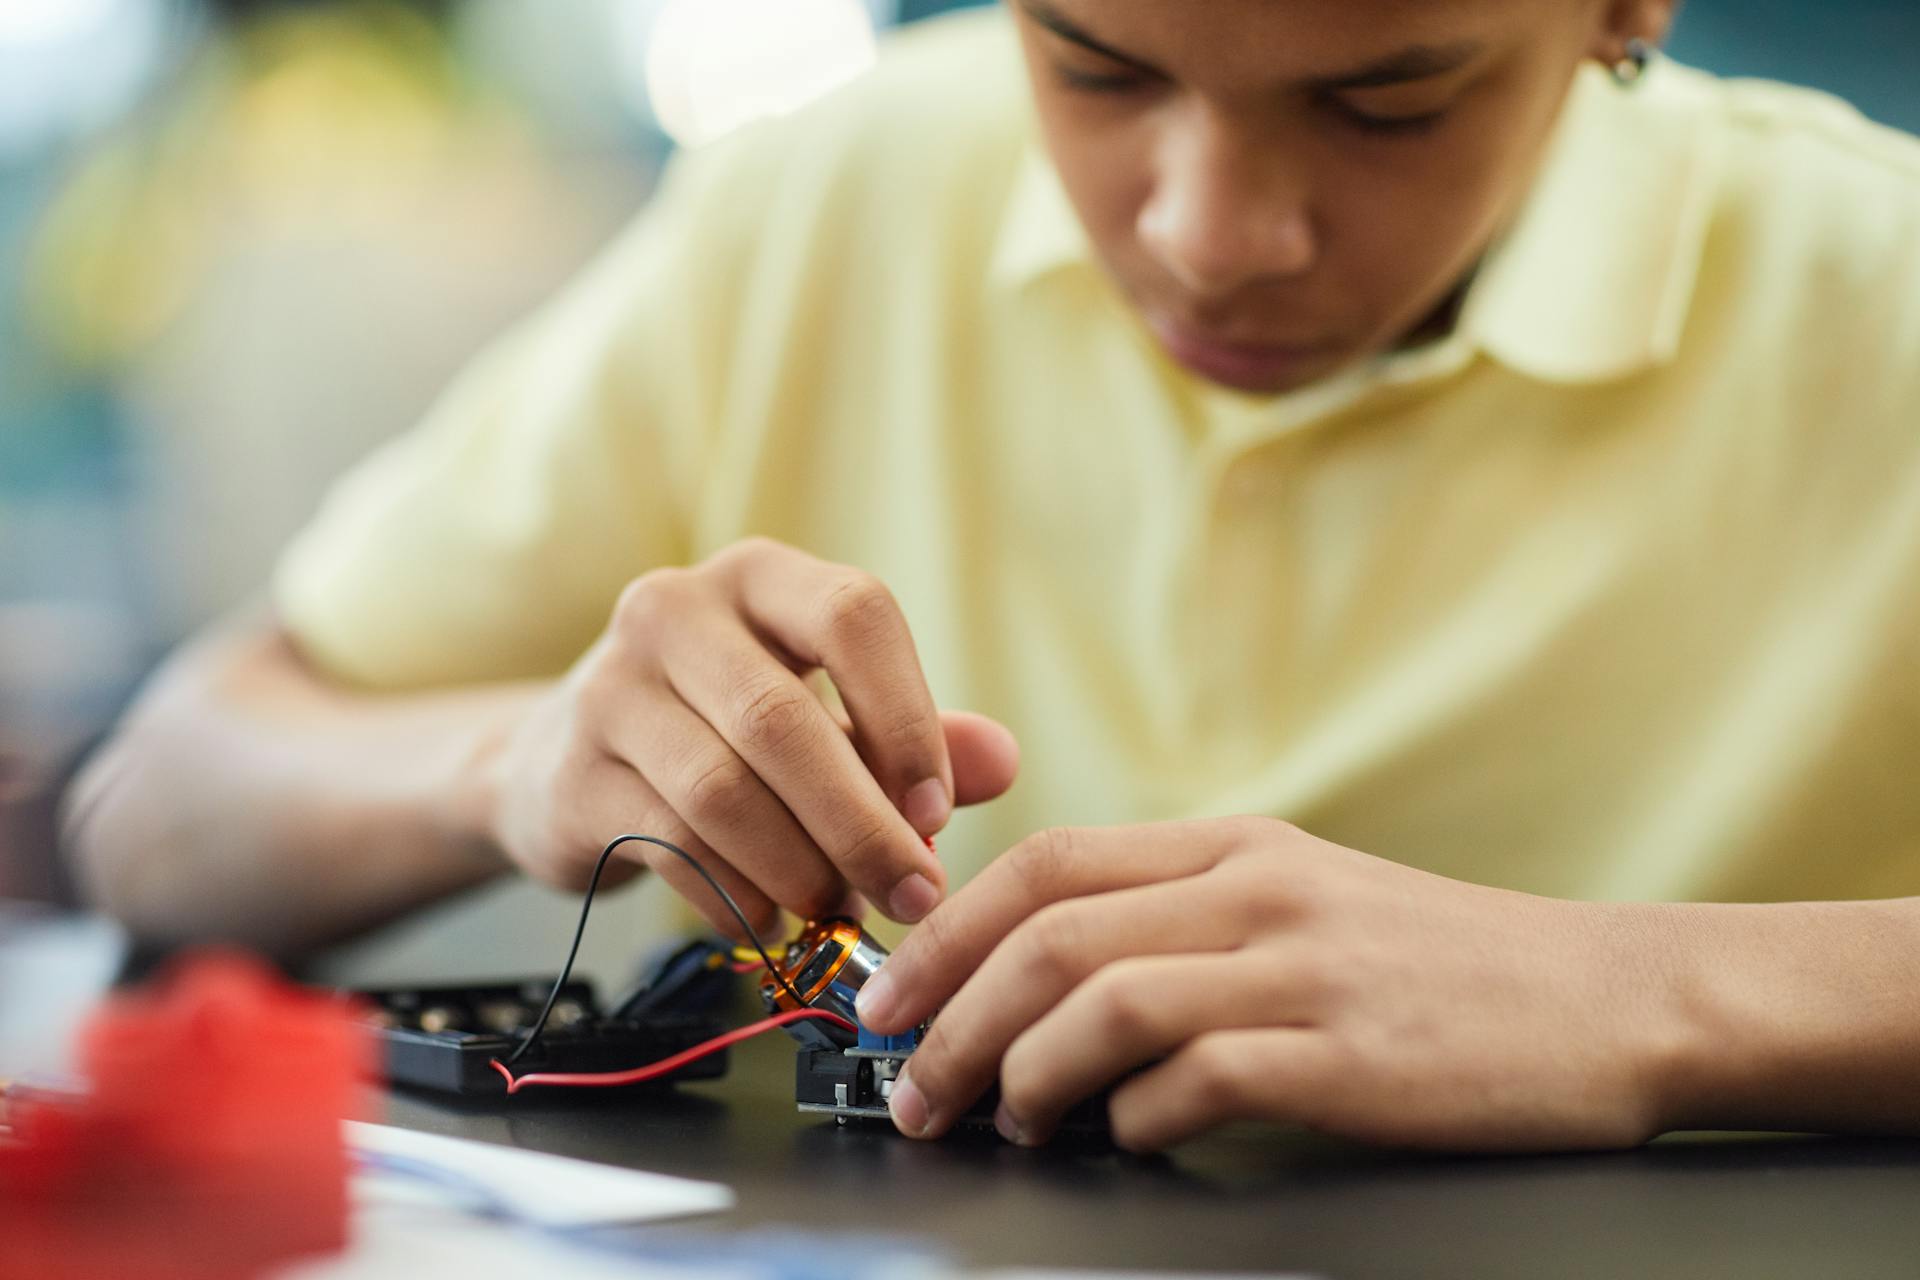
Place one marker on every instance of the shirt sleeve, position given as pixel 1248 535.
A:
pixel 491 541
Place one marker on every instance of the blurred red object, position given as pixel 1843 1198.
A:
pixel 209 1141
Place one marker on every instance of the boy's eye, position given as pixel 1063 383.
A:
pixel 1382 123
pixel 1099 81
pixel 1388 125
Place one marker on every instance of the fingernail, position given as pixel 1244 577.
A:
pixel 908 1108
pixel 1008 1127
pixel 876 999
pixel 928 806
pixel 912 899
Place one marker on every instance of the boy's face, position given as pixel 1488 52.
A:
pixel 1282 186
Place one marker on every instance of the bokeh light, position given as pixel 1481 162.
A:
pixel 67 66
pixel 46 22
pixel 710 66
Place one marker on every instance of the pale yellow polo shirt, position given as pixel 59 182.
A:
pixel 1614 593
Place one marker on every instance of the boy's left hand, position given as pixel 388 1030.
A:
pixel 1248 970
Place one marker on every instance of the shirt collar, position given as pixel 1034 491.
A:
pixel 1595 278
pixel 1592 282
pixel 1040 232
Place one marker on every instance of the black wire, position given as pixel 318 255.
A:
pixel 586 905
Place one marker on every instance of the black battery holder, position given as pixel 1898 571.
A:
pixel 446 1038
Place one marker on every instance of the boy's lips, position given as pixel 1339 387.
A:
pixel 1247 366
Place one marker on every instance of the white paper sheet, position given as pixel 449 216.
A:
pixel 411 1220
pixel 552 1190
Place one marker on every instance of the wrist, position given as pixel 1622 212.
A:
pixel 474 787
pixel 1788 1016
pixel 1678 1029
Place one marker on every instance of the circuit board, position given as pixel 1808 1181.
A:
pixel 854 1083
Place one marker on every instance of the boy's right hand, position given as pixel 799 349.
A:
pixel 689 719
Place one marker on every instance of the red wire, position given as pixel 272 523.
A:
pixel 747 966
pixel 653 1071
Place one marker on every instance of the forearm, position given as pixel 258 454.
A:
pixel 1800 1016
pixel 246 798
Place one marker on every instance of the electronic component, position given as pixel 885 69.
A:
pixel 681 978
pixel 447 1037
pixel 849 1075
pixel 685 979
pixel 824 967
pixel 854 1083
pixel 452 1038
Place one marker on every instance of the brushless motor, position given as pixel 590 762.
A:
pixel 825 966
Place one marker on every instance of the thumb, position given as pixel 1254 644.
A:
pixel 984 753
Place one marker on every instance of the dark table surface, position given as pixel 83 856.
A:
pixel 1243 1200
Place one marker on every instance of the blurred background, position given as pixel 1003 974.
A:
pixel 243 241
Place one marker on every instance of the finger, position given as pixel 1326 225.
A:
pixel 783 733
pixel 985 756
pixel 720 798
pixel 846 621
pixel 1132 1012
pixel 1268 1074
pixel 593 805
pixel 1028 974
pixel 622 801
pixel 1049 867
pixel 759 910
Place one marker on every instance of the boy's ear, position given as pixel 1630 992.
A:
pixel 1624 21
